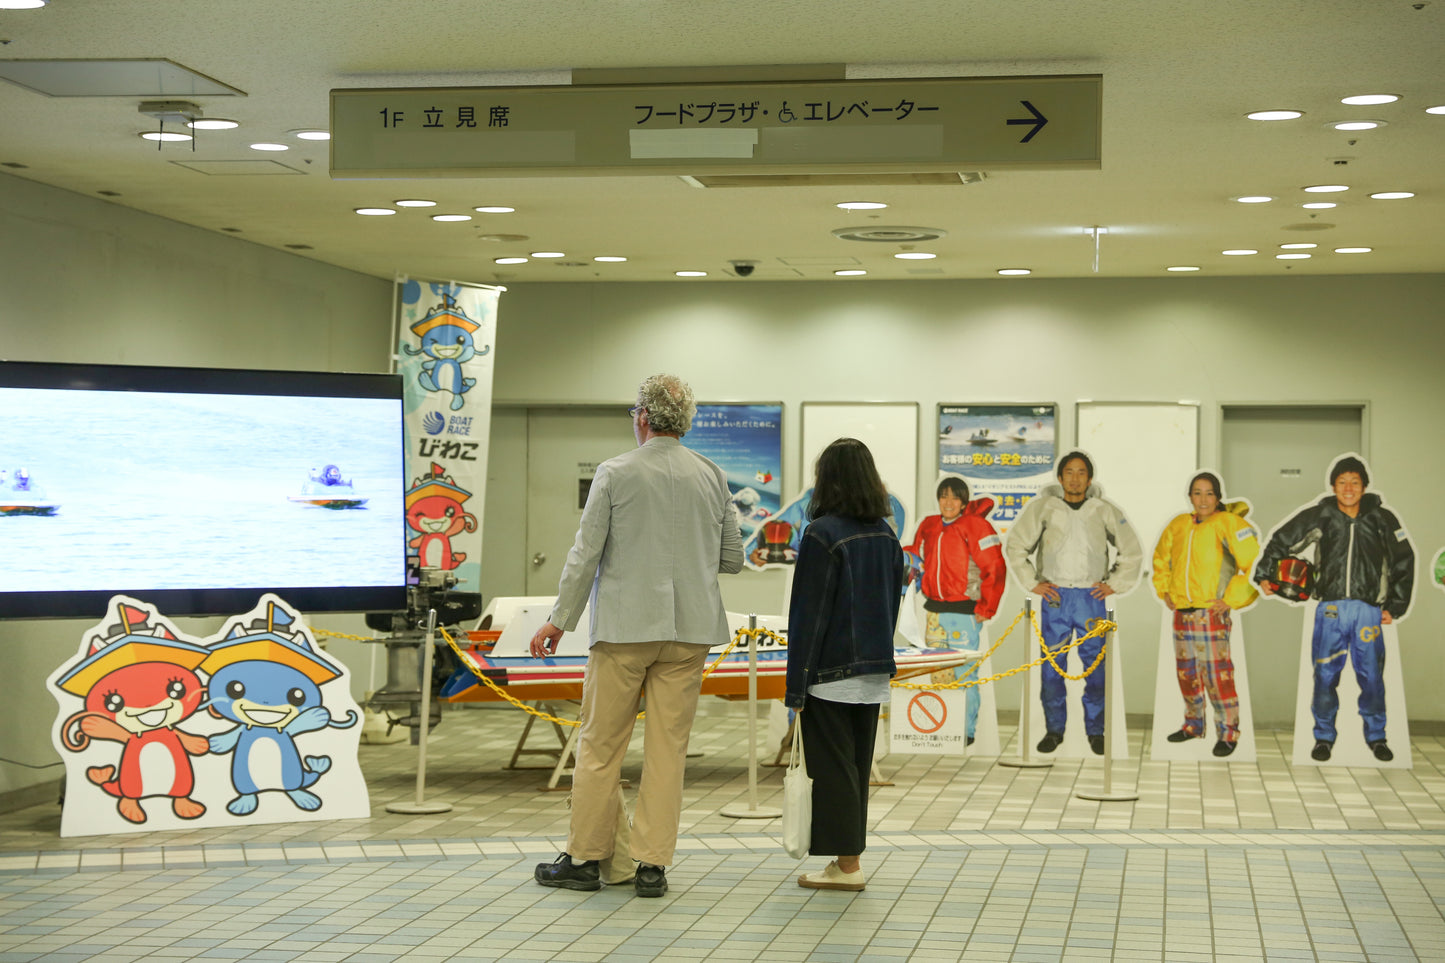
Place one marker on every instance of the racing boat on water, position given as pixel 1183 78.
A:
pixel 325 488
pixel 19 495
pixel 982 437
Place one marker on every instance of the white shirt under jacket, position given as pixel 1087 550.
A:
pixel 1051 542
pixel 657 528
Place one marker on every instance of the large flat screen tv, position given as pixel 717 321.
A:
pixel 198 489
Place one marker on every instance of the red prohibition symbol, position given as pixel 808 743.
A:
pixel 927 712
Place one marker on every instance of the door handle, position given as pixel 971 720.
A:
pixel 539 559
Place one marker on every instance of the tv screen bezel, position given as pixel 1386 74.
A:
pixel 219 600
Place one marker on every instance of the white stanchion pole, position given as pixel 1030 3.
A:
pixel 1026 758
pixel 753 810
pixel 1111 720
pixel 420 807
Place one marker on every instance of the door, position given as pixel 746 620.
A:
pixel 564 448
pixel 1277 456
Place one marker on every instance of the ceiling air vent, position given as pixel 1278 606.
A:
pixel 890 234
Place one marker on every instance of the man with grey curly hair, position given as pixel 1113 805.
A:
pixel 657 529
pixel 667 401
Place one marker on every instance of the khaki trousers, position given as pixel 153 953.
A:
pixel 617 673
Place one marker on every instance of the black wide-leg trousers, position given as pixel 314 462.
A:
pixel 838 745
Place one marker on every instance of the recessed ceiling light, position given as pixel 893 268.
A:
pixel 609 258
pixel 415 202
pixel 690 274
pixel 1239 251
pixel 272 147
pixel 862 206
pixel 915 256
pixel 311 134
pixel 1358 124
pixel 22 4
pixel 494 210
pixel 1440 109
pixel 850 273
pixel 1366 100
pixel 510 260
pixel 1014 272
pixel 212 123
pixel 1254 199
pixel 1319 205
pixel 1182 267
pixel 1392 195
pixel 375 211
pixel 1325 189
pixel 451 217
pixel 1275 114
pixel 165 136
pixel 1298 246
pixel 548 254
pixel 1353 250
pixel 1291 257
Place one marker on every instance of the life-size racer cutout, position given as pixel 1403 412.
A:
pixel 267 678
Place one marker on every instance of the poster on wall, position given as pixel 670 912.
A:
pixel 445 340
pixel 1203 561
pixel 1004 452
pixel 746 441
pixel 1348 562
pixel 161 730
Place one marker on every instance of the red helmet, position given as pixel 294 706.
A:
pixel 1295 578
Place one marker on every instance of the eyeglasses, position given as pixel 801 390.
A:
pixel 636 410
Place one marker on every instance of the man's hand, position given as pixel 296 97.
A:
pixel 544 643
pixel 1048 590
pixel 1218 607
pixel 1386 618
pixel 759 557
pixel 1267 588
pixel 1101 590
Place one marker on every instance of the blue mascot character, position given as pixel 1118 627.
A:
pixel 268 679
pixel 446 339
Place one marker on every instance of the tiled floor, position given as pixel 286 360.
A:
pixel 968 860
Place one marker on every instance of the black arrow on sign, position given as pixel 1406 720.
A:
pixel 1038 120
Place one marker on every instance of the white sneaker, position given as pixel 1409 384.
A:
pixel 831 877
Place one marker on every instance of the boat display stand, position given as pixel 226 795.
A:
pixel 522 750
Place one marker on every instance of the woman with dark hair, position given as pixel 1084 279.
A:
pixel 1201 572
pixel 847 587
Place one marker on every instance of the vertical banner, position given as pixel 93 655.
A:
pixel 446 332
pixel 1005 452
pixel 746 441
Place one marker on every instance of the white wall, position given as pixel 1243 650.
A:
pixel 83 280
pixel 1376 339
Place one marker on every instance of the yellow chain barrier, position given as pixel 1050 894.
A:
pixel 343 635
pixel 1101 626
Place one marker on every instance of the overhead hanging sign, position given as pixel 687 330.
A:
pixel 919 124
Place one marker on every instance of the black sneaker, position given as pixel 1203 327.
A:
pixel 651 880
pixel 566 874
pixel 1382 752
pixel 1096 743
pixel 1321 751
pixel 1183 735
pixel 1222 748
pixel 1051 741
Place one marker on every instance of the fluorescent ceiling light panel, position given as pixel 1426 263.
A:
pixel 113 78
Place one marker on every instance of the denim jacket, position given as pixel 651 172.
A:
pixel 847 588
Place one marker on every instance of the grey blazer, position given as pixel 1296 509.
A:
pixel 658 527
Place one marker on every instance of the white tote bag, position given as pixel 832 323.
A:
pixel 797 797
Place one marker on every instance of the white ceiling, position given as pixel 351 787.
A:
pixel 1178 76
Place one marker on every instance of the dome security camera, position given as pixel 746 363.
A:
pixel 744 269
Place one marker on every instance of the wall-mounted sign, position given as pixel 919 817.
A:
pixel 914 124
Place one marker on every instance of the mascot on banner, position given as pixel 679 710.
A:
pixel 446 333
pixel 434 510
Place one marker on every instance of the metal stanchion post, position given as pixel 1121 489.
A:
pixel 1111 719
pixel 753 811
pixel 421 807
pixel 1026 758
